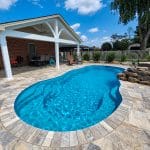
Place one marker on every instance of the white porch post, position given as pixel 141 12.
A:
pixel 5 56
pixel 78 49
pixel 57 44
pixel 78 53
pixel 57 54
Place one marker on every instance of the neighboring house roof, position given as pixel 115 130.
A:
pixel 135 46
pixel 34 21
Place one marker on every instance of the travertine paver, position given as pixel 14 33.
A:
pixel 128 128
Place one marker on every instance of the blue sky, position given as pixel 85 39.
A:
pixel 91 19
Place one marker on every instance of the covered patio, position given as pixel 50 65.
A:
pixel 46 33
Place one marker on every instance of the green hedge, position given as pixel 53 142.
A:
pixel 110 57
pixel 96 56
pixel 86 57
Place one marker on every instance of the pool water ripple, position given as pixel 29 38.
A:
pixel 78 99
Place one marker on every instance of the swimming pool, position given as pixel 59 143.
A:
pixel 76 100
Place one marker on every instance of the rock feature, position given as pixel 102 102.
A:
pixel 136 75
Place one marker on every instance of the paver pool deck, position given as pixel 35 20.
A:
pixel 128 128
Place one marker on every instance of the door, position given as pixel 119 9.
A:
pixel 32 51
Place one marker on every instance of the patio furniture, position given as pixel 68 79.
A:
pixel 47 58
pixel 70 59
pixel 13 62
pixel 52 61
pixel 19 60
pixel 16 61
pixel 34 61
pixel 39 60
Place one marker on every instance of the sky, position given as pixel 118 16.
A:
pixel 93 20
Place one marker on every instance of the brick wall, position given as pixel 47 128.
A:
pixel 19 47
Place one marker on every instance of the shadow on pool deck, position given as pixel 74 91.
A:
pixel 24 69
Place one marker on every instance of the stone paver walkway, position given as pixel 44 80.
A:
pixel 128 128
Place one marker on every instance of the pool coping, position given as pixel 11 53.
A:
pixel 43 138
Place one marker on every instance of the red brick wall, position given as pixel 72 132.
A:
pixel 19 47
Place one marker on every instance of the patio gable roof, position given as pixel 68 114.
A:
pixel 35 22
pixel 49 29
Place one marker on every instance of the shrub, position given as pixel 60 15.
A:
pixel 96 56
pixel 148 58
pixel 86 57
pixel 75 56
pixel 123 58
pixel 110 57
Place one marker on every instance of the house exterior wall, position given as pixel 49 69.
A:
pixel 19 47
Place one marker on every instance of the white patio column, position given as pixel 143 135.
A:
pixel 57 44
pixel 78 52
pixel 5 56
pixel 57 54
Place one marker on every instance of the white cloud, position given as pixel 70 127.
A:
pixel 84 38
pixel 106 39
pixel 84 7
pixel 93 42
pixel 58 4
pixel 6 4
pixel 75 26
pixel 37 3
pixel 93 30
pixel 97 41
pixel 79 33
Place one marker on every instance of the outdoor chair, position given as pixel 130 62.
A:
pixel 47 58
pixel 42 60
pixel 34 61
pixel 52 61
pixel 38 60
pixel 19 60
pixel 70 60
pixel 16 61
pixel 13 61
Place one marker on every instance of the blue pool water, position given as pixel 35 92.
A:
pixel 78 99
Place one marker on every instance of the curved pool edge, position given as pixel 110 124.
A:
pixel 40 83
pixel 104 127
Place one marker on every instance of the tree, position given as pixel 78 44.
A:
pixel 130 31
pixel 116 45
pixel 124 44
pixel 117 37
pixel 106 46
pixel 121 45
pixel 136 38
pixel 129 10
pixel 148 43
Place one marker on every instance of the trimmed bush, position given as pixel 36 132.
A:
pixel 75 56
pixel 148 58
pixel 86 57
pixel 123 58
pixel 110 57
pixel 96 56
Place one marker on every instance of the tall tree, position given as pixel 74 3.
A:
pixel 117 37
pixel 129 10
pixel 130 31
pixel 106 46
pixel 136 38
pixel 121 45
